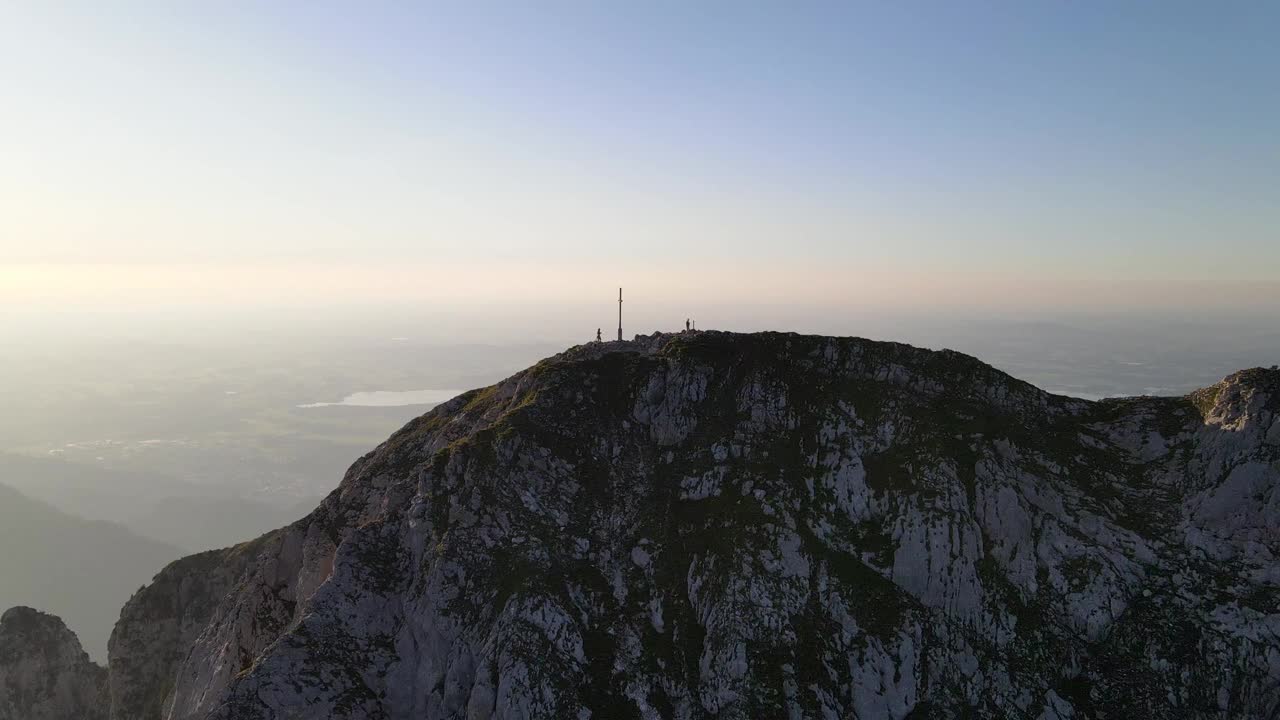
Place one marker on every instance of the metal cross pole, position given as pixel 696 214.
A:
pixel 619 314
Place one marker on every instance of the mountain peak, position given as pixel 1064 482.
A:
pixel 44 673
pixel 1250 396
pixel 22 616
pixel 711 524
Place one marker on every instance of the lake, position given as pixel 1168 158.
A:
pixel 390 398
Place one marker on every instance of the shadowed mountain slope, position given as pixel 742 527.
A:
pixel 80 570
pixel 44 673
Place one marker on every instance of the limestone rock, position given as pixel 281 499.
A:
pixel 161 622
pixel 44 673
pixel 760 526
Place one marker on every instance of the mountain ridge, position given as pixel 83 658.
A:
pixel 767 525
pixel 723 398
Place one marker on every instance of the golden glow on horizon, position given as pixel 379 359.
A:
pixel 482 286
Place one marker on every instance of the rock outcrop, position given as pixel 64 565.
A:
pixel 161 622
pixel 44 673
pixel 755 526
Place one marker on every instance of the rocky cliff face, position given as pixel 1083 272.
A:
pixel 753 526
pixel 160 623
pixel 44 673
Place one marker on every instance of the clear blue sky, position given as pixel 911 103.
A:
pixel 1054 153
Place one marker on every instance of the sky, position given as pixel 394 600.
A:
pixel 779 158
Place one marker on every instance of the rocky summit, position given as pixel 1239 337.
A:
pixel 44 673
pixel 712 525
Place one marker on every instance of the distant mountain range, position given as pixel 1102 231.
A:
pixel 80 570
pixel 159 507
